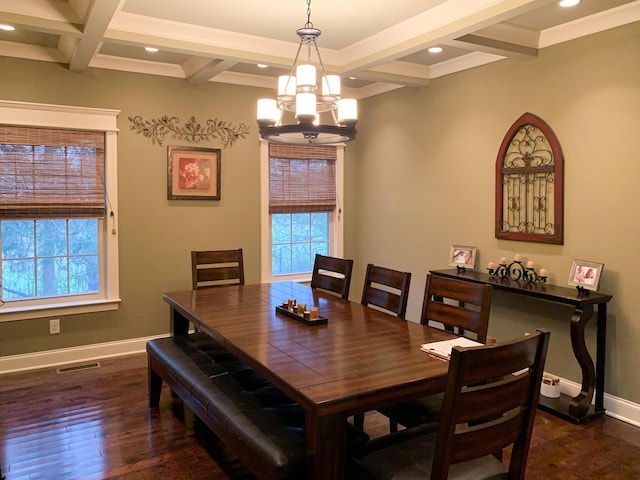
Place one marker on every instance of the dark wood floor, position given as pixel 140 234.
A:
pixel 95 424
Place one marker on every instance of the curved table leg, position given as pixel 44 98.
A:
pixel 579 405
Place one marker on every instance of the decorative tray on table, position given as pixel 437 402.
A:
pixel 300 318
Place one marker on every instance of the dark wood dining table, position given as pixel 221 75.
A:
pixel 362 359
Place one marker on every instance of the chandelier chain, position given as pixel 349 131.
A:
pixel 309 24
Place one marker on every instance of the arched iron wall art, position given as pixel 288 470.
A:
pixel 530 183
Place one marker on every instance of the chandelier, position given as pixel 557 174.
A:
pixel 300 99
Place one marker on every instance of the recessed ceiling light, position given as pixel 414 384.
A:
pixel 568 3
pixel 6 27
pixel 435 50
pixel 151 49
pixel 262 65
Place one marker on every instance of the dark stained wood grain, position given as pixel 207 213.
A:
pixel 361 360
pixel 360 353
pixel 96 425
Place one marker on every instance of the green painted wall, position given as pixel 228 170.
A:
pixel 421 178
pixel 155 234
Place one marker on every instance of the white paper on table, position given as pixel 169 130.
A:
pixel 443 348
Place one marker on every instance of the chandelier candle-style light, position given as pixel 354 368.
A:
pixel 298 94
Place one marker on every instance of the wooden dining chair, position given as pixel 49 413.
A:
pixel 332 274
pixel 215 268
pixel 460 307
pixel 387 289
pixel 490 403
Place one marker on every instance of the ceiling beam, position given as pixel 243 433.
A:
pixel 209 71
pixel 43 25
pixel 395 79
pixel 99 17
pixel 422 31
pixel 189 47
pixel 479 43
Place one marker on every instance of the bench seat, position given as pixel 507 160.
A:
pixel 259 423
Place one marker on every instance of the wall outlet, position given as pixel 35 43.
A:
pixel 54 326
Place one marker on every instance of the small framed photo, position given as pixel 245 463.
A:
pixel 585 274
pixel 193 173
pixel 462 256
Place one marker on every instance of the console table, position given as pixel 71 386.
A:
pixel 576 409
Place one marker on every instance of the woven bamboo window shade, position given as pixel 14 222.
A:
pixel 51 173
pixel 302 178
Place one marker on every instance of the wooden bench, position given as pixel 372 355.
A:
pixel 259 423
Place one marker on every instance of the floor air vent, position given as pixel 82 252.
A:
pixel 77 368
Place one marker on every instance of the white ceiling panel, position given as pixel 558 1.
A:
pixel 374 46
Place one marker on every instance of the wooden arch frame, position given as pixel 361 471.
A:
pixel 530 184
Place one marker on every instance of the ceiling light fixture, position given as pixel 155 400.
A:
pixel 435 50
pixel 6 27
pixel 151 49
pixel 568 3
pixel 298 94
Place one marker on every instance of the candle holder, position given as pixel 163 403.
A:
pixel 530 276
pixel 516 271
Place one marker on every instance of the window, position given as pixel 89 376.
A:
pixel 295 240
pixel 47 258
pixel 301 215
pixel 57 210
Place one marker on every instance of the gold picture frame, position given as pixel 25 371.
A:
pixel 193 173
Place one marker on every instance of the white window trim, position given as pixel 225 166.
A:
pixel 336 227
pixel 60 116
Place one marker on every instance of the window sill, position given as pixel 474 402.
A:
pixel 8 314
pixel 294 277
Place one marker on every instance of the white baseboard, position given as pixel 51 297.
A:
pixel 616 407
pixel 63 356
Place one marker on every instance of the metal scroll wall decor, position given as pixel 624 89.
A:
pixel 530 184
pixel 157 129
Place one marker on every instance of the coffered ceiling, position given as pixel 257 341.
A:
pixel 375 45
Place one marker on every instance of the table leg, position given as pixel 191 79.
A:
pixel 179 324
pixel 600 355
pixel 326 446
pixel 579 405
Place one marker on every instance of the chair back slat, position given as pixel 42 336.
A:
pixel 387 289
pixel 490 403
pixel 217 274
pixel 486 441
pixel 482 403
pixel 332 274
pixel 214 268
pixel 460 306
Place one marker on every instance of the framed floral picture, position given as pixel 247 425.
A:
pixel 462 256
pixel 585 274
pixel 193 173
